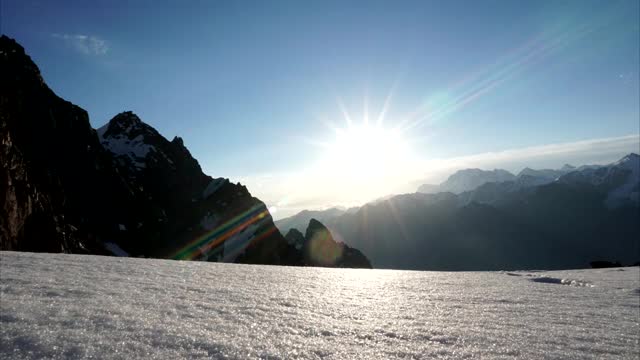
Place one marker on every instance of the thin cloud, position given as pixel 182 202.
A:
pixel 85 44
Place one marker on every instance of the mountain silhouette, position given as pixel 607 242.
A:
pixel 121 190
pixel 320 249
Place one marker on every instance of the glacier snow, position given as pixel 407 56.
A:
pixel 59 306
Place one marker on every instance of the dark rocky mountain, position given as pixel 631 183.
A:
pixel 177 204
pixel 589 214
pixel 59 192
pixel 320 249
pixel 123 189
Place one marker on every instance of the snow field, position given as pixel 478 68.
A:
pixel 73 306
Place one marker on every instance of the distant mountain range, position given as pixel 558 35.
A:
pixel 461 181
pixel 470 179
pixel 551 219
pixel 465 180
pixel 122 190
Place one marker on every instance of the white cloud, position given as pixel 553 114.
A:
pixel 85 44
pixel 321 187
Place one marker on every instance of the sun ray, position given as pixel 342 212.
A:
pixel 397 218
pixel 310 141
pixel 387 103
pixel 365 117
pixel 345 113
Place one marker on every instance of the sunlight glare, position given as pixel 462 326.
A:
pixel 366 152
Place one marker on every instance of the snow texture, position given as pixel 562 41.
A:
pixel 135 149
pixel 59 306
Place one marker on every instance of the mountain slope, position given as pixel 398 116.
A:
pixel 51 166
pixel 123 189
pixel 563 224
pixel 620 180
pixel 180 205
pixel 67 188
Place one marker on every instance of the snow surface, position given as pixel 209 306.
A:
pixel 74 306
pixel 135 149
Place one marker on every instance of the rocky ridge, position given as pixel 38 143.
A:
pixel 121 190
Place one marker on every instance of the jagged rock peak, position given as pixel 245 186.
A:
pixel 295 238
pixel 124 123
pixel 127 118
pixel 178 144
pixel 313 227
pixel 630 158
pixel 178 141
pixel 9 46
pixel 126 135
pixel 321 249
pixel 13 56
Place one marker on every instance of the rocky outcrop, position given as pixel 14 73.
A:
pixel 295 238
pixel 320 249
pixel 58 191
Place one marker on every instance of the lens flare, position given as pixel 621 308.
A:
pixel 211 243
pixel 322 250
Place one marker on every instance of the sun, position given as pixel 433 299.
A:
pixel 359 160
pixel 366 152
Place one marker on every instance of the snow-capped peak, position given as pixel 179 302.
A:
pixel 630 189
pixel 126 136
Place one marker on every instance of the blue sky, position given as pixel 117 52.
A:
pixel 254 86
